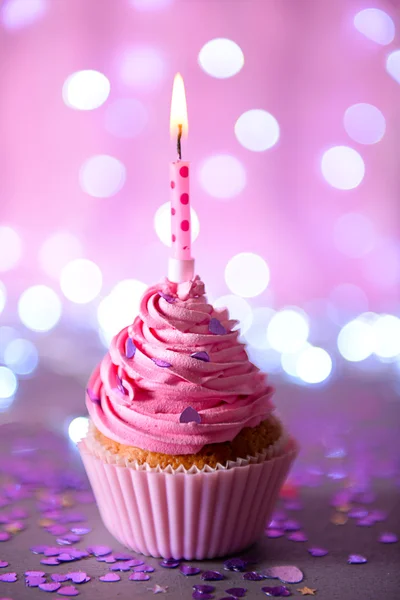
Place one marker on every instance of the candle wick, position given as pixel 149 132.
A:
pixel 178 142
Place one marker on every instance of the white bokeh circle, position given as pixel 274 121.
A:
pixel 21 356
pixel 221 58
pixel 386 330
pixel 342 167
pixel 57 250
pixel 238 309
pixel 376 25
pixel 39 308
pixel 364 123
pixel 78 428
pixel 162 224
pixel 288 330
pixel 255 327
pixel 222 176
pixel 356 340
pixel 102 176
pixel 354 234
pixel 120 307
pixel 314 365
pixel 8 384
pixel 16 14
pixel 86 90
pixel 81 281
pixel 393 65
pixel 3 296
pixel 257 130
pixel 247 274
pixel 10 248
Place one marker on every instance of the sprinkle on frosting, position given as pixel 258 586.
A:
pixel 95 399
pixel 190 415
pixel 130 348
pixel 222 385
pixel 170 299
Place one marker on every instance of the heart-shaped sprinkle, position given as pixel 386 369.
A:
pixel 215 327
pixel 170 299
pixel 34 574
pixel 52 551
pixel 64 557
pixel 318 551
pixel 50 587
pixel 278 591
pixel 3 563
pixel 274 533
pixel 188 570
pixel 388 538
pixel 123 556
pixel 291 525
pixel 287 574
pixel 356 559
pixel 143 569
pixel 161 363
pixel 120 566
pixel 59 577
pixel 139 577
pixel 34 581
pixel 120 386
pixel 169 563
pixel 202 596
pixel 237 592
pixel 99 550
pixel 8 577
pixel 297 536
pixel 4 536
pixel 93 397
pixel 78 577
pixel 107 559
pixel 212 576
pixel 38 549
pixel 69 590
pixel 235 564
pixel 110 577
pixel 203 356
pixel 51 562
pixel 130 348
pixel 68 539
pixel 253 576
pixel 190 415
pixel 203 588
pixel 135 562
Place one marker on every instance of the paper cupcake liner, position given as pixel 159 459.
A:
pixel 187 514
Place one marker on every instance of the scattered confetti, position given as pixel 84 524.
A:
pixel 3 563
pixel 123 556
pixel 388 538
pixel 235 564
pixel 78 577
pixel 99 550
pixel 212 576
pixel 110 577
pixel 8 577
pixel 356 559
pixel 170 299
pixel 202 596
pixel 34 581
pixel 297 536
pixel 4 536
pixel 253 576
pixel 51 562
pixel 280 590
pixel 93 397
pixel 69 590
pixel 291 525
pixel 203 356
pixel 188 570
pixel 34 574
pixel 169 563
pixel 59 577
pixel 121 566
pixel 161 363
pixel 215 327
pixel 135 562
pixel 139 577
pixel 237 592
pixel 143 569
pixel 274 533
pixel 130 348
pixel 190 415
pixel 287 574
pixel 50 587
pixel 317 551
pixel 203 588
pixel 306 591
pixel 158 589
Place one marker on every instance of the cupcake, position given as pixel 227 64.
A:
pixel 184 453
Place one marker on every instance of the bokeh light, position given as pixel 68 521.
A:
pixel 386 331
pixel 376 25
pixel 78 428
pixel 3 296
pixel 10 248
pixel 125 117
pixel 86 90
pixel 222 176
pixel 120 307
pixel 57 250
pixel 16 14
pixel 162 224
pixel 7 334
pixel 21 356
pixel 221 58
pixel 255 327
pixel 267 360
pixel 356 340
pixel 354 234
pixel 142 68
pixel 342 167
pixel 247 274
pixel 393 65
pixel 347 301
pixel 8 383
pixel 314 365
pixel 102 176
pixel 382 265
pixel 257 130
pixel 39 308
pixel 289 360
pixel 288 330
pixel 81 281
pixel 364 123
pixel 238 308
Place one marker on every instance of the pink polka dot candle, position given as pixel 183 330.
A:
pixel 181 263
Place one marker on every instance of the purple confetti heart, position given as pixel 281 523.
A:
pixel 50 587
pixel 110 577
pixel 69 590
pixel 169 563
pixel 203 356
pixel 291 525
pixel 52 551
pixel 130 348
pixel 34 574
pixel 51 562
pixel 68 539
pixel 93 397
pixel 123 556
pixel 4 536
pixel 139 577
pixel 212 576
pixel 388 538
pixel 34 581
pixel 215 327
pixel 120 386
pixel 143 569
pixel 378 515
pixel 77 577
pixel 106 559
pixel 367 522
pixel 190 415
pixel 8 577
pixel 135 562
pixel 274 533
pixel 57 529
pixel 3 563
pixel 188 570
pixel 99 550
pixel 280 590
pixel 287 574
pixel 357 513
pixel 120 566
pixel 253 576
pixel 80 530
pixel 356 559
pixel 161 363
pixel 237 592
pixel 170 299
pixel 203 588
pixel 64 557
pixel 297 536
pixel 59 577
pixel 317 551
pixel 78 554
pixel 235 564
pixel 202 596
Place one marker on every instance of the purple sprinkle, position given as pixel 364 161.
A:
pixel 92 396
pixel 287 574
pixel 274 533
pixel 52 551
pixel 215 327
pixel 202 596
pixel 123 556
pixel 203 589
pixel 377 516
pixel 143 569
pixel 291 525
pixel 68 539
pixel 106 559
pixel 190 415
pixel 169 563
pixel 78 554
pixel 59 577
pixel 170 299
pixel 50 587
pixel 120 566
pixel 275 524
pixel 317 551
pixel 356 559
pixel 367 522
pixel 201 356
pixel 280 590
pixel 8 577
pixel 235 564
pixel 189 570
pixel 80 530
pixel 388 538
pixel 161 363
pixel 110 577
pixel 130 348
pixel 357 513
pixel 64 557
pixel 139 577
pixel 99 550
pixel 135 562
pixel 212 576
pixel 297 536
pixel 49 561
pixel 57 529
pixel 77 577
pixel 69 590
pixel 34 581
pixel 4 536
pixel 34 574
pixel 120 386
pixel 237 592
pixel 253 576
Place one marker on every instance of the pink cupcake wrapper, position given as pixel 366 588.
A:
pixel 191 515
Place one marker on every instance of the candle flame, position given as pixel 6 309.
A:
pixel 179 118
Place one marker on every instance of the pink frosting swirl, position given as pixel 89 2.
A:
pixel 138 401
